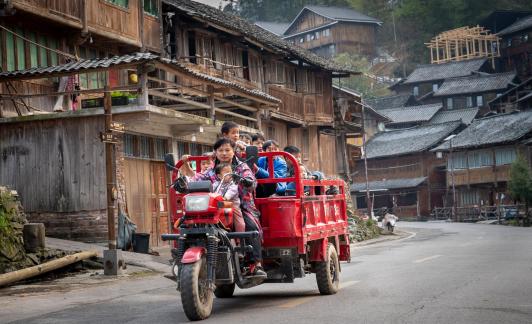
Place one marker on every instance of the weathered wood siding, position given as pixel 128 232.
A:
pixel 307 20
pixel 69 10
pixel 56 165
pixel 354 38
pixel 327 152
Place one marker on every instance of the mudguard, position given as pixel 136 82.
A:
pixel 193 254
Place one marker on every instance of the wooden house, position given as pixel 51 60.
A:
pixel 473 91
pixel 426 79
pixel 204 67
pixel 229 47
pixel 479 158
pixel 328 31
pixel 403 174
pixel 516 47
pixel 516 98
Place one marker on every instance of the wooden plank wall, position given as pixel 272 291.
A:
pixel 69 9
pixel 308 20
pixel 56 165
pixel 354 38
pixel 327 153
pixel 138 193
pixel 151 37
pixel 107 18
pixel 28 87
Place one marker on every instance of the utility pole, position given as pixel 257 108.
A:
pixel 368 199
pixel 453 211
pixel 113 260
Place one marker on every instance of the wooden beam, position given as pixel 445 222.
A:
pixel 178 99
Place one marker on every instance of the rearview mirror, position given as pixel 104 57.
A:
pixel 169 161
pixel 252 155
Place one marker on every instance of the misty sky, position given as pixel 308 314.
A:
pixel 214 3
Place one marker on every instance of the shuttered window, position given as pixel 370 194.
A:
pixel 150 7
pixel 10 52
pixel 21 55
pixel 120 3
pixel 505 156
pixel 459 161
pixel 470 197
pixel 34 52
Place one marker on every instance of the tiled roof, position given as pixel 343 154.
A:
pixel 434 72
pixel 498 129
pixel 388 184
pixel 475 84
pixel 521 24
pixel 357 95
pixel 273 27
pixel 411 114
pixel 394 101
pixel 466 115
pixel 406 141
pixel 342 14
pixel 254 33
pixel 135 58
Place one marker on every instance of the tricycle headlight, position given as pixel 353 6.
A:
pixel 197 203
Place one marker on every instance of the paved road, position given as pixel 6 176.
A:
pixel 444 273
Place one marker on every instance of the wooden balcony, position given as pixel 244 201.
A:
pixel 63 11
pixel 479 175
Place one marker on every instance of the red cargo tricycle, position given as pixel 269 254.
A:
pixel 305 232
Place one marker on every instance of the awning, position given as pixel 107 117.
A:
pixel 388 184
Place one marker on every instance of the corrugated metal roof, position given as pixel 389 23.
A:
pixel 387 102
pixel 406 141
pixel 388 184
pixel 342 14
pixel 466 116
pixel 433 72
pixel 521 24
pixel 476 84
pixel 82 65
pixel 254 33
pixel 273 27
pixel 92 64
pixel 411 114
pixel 498 129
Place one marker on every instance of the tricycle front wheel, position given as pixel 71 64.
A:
pixel 328 272
pixel 196 296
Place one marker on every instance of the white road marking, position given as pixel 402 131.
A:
pixel 348 283
pixel 428 258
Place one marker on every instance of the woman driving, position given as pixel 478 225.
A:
pixel 224 150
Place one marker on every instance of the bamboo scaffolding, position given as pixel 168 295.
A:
pixel 464 43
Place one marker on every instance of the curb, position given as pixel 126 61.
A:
pixel 397 235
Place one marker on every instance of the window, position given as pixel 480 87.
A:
pixel 129 145
pixel 160 149
pixel 145 147
pixel 505 156
pixel 21 55
pixel 469 102
pixel 449 103
pixel 478 159
pixel 317 35
pixel 302 39
pixel 407 199
pixel 120 3
pixel 332 49
pixel 361 202
pixel 459 161
pixel 326 32
pixel 10 51
pixel 309 37
pixel 480 101
pixel 470 197
pixel 34 52
pixel 415 91
pixel 43 56
pixel 435 87
pixel 150 7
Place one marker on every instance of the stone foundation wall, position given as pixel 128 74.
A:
pixel 86 226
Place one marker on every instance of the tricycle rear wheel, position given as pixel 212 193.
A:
pixel 196 296
pixel 224 291
pixel 328 272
